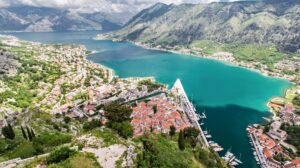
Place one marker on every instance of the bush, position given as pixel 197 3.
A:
pixel 293 135
pixel 67 119
pixel 59 155
pixel 124 129
pixel 8 132
pixel 209 158
pixel 25 150
pixel 181 143
pixel 158 151
pixel 151 86
pixel 117 113
pixel 190 132
pixel 51 140
pixel 172 130
pixel 91 125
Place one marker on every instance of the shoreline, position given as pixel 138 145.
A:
pixel 231 62
pixel 234 63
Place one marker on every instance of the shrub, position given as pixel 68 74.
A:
pixel 8 132
pixel 117 113
pixel 59 155
pixel 67 119
pixel 91 125
pixel 172 130
pixel 124 129
pixel 51 140
pixel 190 132
pixel 181 143
pixel 25 150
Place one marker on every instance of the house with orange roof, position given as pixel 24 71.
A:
pixel 144 118
pixel 267 153
pixel 296 162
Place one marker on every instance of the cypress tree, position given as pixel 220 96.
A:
pixel 181 144
pixel 5 132
pixel 11 132
pixel 172 130
pixel 29 134
pixel 24 133
pixel 32 133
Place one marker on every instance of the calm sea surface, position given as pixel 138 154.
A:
pixel 232 97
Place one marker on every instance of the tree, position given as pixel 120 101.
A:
pixel 124 128
pixel 8 132
pixel 190 132
pixel 181 144
pixel 24 133
pixel 29 133
pixel 172 130
pixel 193 142
pixel 154 108
pixel 91 125
pixel 117 113
pixel 67 119
pixel 59 155
pixel 32 133
pixel 12 133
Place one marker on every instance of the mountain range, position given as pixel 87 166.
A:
pixel 45 19
pixel 273 22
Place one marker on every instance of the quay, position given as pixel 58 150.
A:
pixel 189 110
pixel 258 150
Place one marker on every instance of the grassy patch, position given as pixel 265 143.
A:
pixel 265 54
pixel 19 147
pixel 163 152
pixel 80 160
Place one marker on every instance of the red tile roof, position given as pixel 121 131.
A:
pixel 144 118
pixel 296 161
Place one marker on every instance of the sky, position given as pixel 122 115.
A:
pixel 97 5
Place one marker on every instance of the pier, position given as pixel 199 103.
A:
pixel 189 110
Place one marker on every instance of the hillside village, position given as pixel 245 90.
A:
pixel 55 101
pixel 276 143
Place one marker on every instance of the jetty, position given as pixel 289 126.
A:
pixel 189 110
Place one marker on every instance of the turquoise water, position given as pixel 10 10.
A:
pixel 232 97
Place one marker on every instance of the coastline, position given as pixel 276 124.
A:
pixel 231 62
pixel 225 61
pixel 188 52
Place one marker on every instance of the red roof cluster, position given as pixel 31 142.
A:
pixel 157 115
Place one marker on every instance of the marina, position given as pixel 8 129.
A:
pixel 257 149
pixel 231 159
pixel 189 109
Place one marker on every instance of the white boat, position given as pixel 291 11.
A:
pixel 211 142
pixel 208 136
pixel 231 159
pixel 218 149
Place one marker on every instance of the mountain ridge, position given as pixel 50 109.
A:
pixel 263 22
pixel 45 19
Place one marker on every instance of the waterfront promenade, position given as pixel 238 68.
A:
pixel 188 109
pixel 259 151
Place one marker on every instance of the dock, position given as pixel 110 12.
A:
pixel 189 110
pixel 257 150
